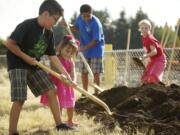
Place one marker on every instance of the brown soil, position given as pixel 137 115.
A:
pixel 153 109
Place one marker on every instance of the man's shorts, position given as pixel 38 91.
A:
pixel 37 80
pixel 96 65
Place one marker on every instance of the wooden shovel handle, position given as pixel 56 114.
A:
pixel 75 86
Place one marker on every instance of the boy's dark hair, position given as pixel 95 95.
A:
pixel 52 6
pixel 85 8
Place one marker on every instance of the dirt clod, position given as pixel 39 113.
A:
pixel 152 109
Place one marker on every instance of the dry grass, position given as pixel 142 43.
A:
pixel 36 119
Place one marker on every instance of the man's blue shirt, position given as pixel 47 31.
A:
pixel 91 30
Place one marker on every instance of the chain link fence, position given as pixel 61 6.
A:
pixel 133 72
pixel 117 73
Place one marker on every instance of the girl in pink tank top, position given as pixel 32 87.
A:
pixel 155 68
pixel 67 49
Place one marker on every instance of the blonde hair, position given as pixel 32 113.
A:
pixel 146 22
pixel 68 40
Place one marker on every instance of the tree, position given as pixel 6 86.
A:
pixel 136 37
pixel 116 31
pixel 121 32
pixel 107 24
pixel 178 39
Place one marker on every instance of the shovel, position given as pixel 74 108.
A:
pixel 138 62
pixel 75 86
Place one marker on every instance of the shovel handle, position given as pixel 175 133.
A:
pixel 75 86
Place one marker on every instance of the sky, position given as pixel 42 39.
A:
pixel 12 12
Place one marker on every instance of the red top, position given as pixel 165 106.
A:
pixel 151 40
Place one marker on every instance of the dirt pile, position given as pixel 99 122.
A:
pixel 151 109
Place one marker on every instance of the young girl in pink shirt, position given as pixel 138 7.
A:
pixel 155 68
pixel 67 49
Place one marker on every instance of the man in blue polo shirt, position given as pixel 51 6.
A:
pixel 92 43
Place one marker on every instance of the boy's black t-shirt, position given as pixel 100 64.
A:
pixel 33 40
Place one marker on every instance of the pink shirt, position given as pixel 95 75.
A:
pixel 65 93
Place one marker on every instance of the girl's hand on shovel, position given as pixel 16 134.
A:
pixel 66 76
pixel 140 58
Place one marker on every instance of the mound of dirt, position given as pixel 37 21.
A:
pixel 152 109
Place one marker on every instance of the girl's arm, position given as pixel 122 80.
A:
pixel 73 72
pixel 58 65
pixel 151 53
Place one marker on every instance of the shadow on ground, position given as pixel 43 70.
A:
pixel 37 132
pixel 153 109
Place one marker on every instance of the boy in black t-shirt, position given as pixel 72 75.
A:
pixel 29 41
